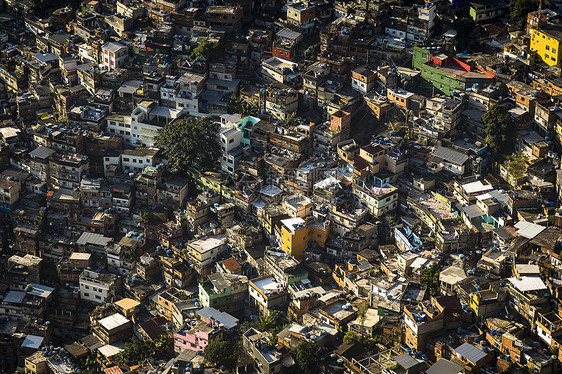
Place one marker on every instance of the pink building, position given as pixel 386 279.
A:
pixel 195 335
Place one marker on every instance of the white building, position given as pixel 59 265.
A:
pixel 378 199
pixel 230 139
pixel 114 55
pixel 147 118
pixel 98 287
pixel 280 70
pixel 183 94
pixel 137 159
pixel 206 251
pixel 86 53
pixel 118 124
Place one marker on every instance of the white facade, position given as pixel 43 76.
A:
pixel 147 119
pixel 230 139
pixel 114 55
pixel 95 287
pixel 121 126
pixel 362 87
pixel 86 53
pixel 137 160
pixel 379 200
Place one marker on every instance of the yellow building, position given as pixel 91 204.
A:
pixel 546 42
pixel 295 234
pixel 36 364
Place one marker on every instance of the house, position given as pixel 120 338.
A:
pixel 444 366
pixel 472 357
pixel 450 160
pixel 113 328
pixel 152 329
pixel 203 253
pixel 281 70
pixel 295 234
pixel 223 17
pixel 486 10
pixel 99 287
pixel 114 55
pixel 225 292
pixel 196 335
pixel 265 295
pixel 445 74
pixel 363 79
pixel 266 357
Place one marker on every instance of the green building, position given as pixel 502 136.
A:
pixel 444 74
pixel 224 292
pixel 246 127
pixel 485 10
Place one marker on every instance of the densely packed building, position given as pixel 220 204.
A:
pixel 383 195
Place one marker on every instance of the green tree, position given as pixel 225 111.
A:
pixel 500 134
pixel 207 49
pixel 137 351
pixel 292 119
pixel 221 353
pixel 362 315
pixel 89 366
pixel 190 142
pixel 518 10
pixel 307 357
pixel 236 104
pixel 273 322
pixel 144 219
pixel 465 28
pixel 430 277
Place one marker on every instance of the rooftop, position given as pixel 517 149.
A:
pixel 114 321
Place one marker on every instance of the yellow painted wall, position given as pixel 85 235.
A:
pixel 296 243
pixel 546 46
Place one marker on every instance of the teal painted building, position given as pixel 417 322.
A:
pixel 246 128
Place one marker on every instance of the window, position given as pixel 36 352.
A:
pixel 547 48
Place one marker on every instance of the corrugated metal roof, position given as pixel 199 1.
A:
pixel 288 34
pixel 450 155
pixel 109 350
pixel 41 152
pixel 472 211
pixel 525 284
pixel 32 341
pixel 444 366
pixel 92 238
pixel 222 317
pixel 113 321
pixel 470 353
pixel 528 230
pixel 406 361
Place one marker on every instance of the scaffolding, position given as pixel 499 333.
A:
pixel 379 363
